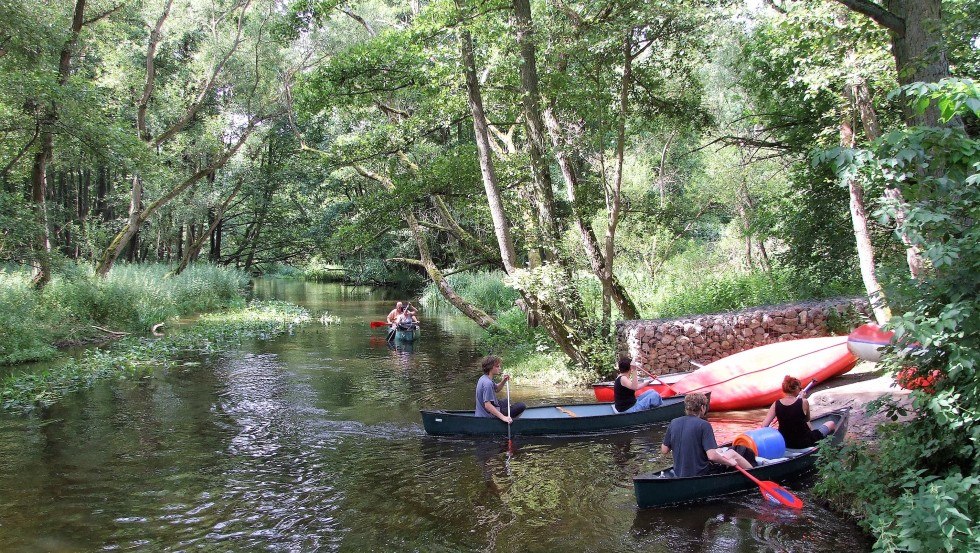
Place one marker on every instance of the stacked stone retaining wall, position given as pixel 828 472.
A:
pixel 663 346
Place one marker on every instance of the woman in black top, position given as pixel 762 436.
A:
pixel 625 387
pixel 793 413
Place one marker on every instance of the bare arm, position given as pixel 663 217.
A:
pixel 770 416
pixel 492 409
pixel 500 385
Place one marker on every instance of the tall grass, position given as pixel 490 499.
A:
pixel 132 298
pixel 485 290
pixel 702 281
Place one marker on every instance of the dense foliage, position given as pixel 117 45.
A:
pixel 916 489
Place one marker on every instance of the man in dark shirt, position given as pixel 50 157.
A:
pixel 691 440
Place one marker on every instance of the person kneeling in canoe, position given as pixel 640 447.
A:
pixel 625 387
pixel 793 413
pixel 487 404
pixel 691 440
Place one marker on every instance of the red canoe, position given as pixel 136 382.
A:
pixel 754 378
pixel 604 390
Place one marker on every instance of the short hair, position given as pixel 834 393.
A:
pixel 791 385
pixel 624 364
pixel 488 363
pixel 694 403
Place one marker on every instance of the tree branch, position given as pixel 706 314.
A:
pixel 877 14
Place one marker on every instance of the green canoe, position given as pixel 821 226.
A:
pixel 663 488
pixel 406 335
pixel 550 420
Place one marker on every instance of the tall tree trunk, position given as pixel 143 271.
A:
pixel 857 96
pixel 567 335
pixel 501 227
pixel 537 141
pixel 39 169
pixel 530 90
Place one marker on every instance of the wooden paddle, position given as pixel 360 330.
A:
pixel 773 492
pixel 566 411
pixel 657 379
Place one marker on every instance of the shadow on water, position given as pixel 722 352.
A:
pixel 313 442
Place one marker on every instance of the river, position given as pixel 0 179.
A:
pixel 312 441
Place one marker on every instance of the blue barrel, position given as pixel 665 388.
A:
pixel 765 442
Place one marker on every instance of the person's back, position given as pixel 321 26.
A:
pixel 793 424
pixel 689 438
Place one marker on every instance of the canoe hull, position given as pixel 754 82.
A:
pixel 652 490
pixel 753 378
pixel 604 390
pixel 866 341
pixel 406 335
pixel 549 420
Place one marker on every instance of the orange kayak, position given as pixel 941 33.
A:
pixel 754 378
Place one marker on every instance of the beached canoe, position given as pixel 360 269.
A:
pixel 754 378
pixel 550 420
pixel 604 390
pixel 866 341
pixel 663 488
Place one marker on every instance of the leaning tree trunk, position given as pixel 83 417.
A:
pixel 859 221
pixel 917 45
pixel 568 335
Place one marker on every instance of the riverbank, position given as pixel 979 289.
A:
pixel 856 389
pixel 77 307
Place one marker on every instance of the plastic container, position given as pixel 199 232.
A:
pixel 764 442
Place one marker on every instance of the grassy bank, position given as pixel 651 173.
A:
pixel 135 357
pixel 78 307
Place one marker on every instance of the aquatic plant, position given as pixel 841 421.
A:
pixel 137 357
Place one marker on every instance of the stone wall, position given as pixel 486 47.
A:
pixel 665 346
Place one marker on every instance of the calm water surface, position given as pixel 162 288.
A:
pixel 313 442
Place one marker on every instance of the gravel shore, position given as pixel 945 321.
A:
pixel 855 389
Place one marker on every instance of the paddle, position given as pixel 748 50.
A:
pixel 773 492
pixel 510 443
pixel 656 379
pixel 378 324
pixel 807 389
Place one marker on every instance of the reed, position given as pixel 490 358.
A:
pixel 132 298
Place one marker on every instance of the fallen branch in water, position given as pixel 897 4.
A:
pixel 113 332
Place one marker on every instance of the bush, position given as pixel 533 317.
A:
pixel 917 490
pixel 318 270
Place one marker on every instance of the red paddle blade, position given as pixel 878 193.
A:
pixel 377 324
pixel 776 494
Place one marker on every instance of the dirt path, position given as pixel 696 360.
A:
pixel 863 384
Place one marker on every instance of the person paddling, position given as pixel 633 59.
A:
pixel 625 387
pixel 792 411
pixel 487 404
